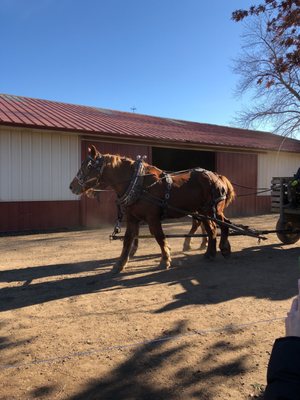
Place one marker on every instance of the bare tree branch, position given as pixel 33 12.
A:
pixel 275 90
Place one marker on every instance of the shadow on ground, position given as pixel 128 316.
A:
pixel 260 271
pixel 142 376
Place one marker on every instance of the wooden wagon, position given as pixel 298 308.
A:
pixel 288 224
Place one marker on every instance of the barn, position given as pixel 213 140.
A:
pixel 42 143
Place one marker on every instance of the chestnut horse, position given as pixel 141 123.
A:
pixel 146 193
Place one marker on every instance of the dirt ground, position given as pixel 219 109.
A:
pixel 202 330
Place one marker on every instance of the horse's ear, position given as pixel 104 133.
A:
pixel 93 151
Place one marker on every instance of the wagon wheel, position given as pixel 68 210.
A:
pixel 286 238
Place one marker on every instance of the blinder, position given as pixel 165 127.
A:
pixel 97 165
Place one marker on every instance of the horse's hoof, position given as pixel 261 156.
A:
pixel 133 251
pixel 164 264
pixel 132 254
pixel 209 256
pixel 117 268
pixel 226 254
pixel 187 248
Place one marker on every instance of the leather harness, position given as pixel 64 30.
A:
pixel 135 191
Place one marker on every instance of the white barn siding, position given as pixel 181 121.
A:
pixel 276 164
pixel 37 166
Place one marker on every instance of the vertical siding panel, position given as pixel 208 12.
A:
pixel 7 166
pixel 5 170
pixel 69 165
pixel 241 170
pixel 74 163
pixel 2 171
pixel 36 166
pixel 55 168
pixel 47 183
pixel 26 175
pixel 276 164
pixel 35 172
pixel 65 156
pixel 15 166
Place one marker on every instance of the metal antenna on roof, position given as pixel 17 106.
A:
pixel 133 109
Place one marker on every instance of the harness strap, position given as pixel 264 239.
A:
pixel 132 193
pixel 218 193
pixel 165 202
pixel 117 227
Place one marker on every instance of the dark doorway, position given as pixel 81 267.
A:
pixel 178 159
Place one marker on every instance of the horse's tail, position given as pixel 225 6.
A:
pixel 230 193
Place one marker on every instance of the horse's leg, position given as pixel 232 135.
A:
pixel 187 240
pixel 211 230
pixel 132 231
pixel 204 238
pixel 135 244
pixel 156 230
pixel 224 242
pixel 134 247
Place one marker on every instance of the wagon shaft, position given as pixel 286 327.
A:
pixel 241 229
pixel 182 235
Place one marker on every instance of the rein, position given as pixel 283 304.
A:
pixel 135 190
pixel 199 217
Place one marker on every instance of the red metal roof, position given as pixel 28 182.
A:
pixel 45 114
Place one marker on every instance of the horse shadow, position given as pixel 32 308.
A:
pixel 248 273
pixel 29 274
pixel 136 377
pixel 260 271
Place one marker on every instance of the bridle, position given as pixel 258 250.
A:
pixel 97 164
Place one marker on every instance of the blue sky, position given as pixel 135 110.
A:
pixel 169 58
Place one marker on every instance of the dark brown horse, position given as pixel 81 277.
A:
pixel 146 193
pixel 196 224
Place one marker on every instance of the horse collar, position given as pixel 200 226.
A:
pixel 134 189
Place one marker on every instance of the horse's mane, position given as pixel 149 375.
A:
pixel 115 160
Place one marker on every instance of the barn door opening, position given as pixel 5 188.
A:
pixel 178 159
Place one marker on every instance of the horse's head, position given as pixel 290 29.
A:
pixel 89 173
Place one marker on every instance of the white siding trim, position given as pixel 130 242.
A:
pixel 276 164
pixel 37 166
